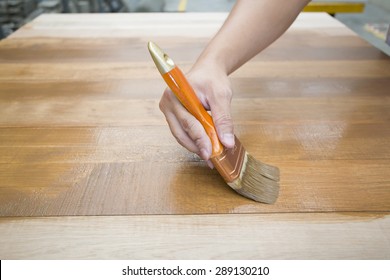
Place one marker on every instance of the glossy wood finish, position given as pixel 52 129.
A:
pixel 81 134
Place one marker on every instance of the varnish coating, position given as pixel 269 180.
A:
pixel 81 138
pixel 81 132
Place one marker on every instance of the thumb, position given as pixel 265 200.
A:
pixel 223 121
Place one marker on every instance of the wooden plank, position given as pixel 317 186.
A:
pixel 81 135
pixel 145 112
pixel 304 44
pixel 277 236
pixel 143 26
pixel 244 88
pixel 335 7
pixel 327 141
pixel 99 71
pixel 188 187
pixel 89 139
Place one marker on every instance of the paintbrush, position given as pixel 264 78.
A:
pixel 243 173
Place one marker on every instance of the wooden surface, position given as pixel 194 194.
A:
pixel 227 237
pixel 81 135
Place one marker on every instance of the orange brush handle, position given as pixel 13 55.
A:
pixel 177 82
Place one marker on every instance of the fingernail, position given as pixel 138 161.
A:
pixel 204 154
pixel 228 139
pixel 210 164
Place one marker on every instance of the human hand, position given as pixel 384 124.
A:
pixel 212 86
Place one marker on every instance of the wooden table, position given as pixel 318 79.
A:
pixel 89 169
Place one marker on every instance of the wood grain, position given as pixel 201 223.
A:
pixel 255 236
pixel 98 170
pixel 88 167
pixel 143 26
pixel 81 133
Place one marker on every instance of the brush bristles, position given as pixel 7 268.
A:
pixel 258 181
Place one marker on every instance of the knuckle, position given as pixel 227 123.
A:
pixel 169 95
pixel 195 131
pixel 166 100
pixel 223 120
pixel 199 142
pixel 188 125
pixel 161 105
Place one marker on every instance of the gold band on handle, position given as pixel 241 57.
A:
pixel 163 62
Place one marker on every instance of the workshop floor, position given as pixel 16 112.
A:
pixel 370 25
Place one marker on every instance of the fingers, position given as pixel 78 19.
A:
pixel 214 92
pixel 185 128
pixel 210 164
pixel 220 110
pixel 223 122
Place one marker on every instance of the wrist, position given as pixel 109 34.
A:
pixel 211 62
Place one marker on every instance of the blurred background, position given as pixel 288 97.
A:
pixel 370 19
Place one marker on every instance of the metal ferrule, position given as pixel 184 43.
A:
pixel 230 163
pixel 163 62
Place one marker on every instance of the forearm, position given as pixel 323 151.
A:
pixel 251 26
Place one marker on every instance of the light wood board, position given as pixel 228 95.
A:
pixel 227 237
pixel 81 136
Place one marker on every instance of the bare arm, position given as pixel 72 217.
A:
pixel 251 26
